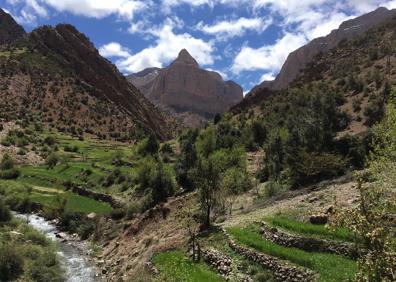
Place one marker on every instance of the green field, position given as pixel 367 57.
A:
pixel 50 198
pixel 330 267
pixel 311 230
pixel 175 267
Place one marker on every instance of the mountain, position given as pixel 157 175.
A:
pixel 298 59
pixel 359 72
pixel 195 95
pixel 10 30
pixel 56 75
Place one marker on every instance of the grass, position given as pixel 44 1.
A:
pixel 311 230
pixel 175 266
pixel 330 267
pixel 50 198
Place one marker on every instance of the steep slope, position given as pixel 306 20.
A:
pixel 9 29
pixel 298 59
pixel 194 94
pixel 359 71
pixel 57 76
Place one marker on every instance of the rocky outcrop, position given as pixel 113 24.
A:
pixel 298 59
pixel 183 87
pixel 305 243
pixel 9 29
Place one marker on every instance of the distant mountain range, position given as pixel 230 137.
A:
pixel 55 75
pixel 193 94
pixel 298 59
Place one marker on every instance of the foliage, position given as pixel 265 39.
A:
pixel 373 219
pixel 149 146
pixel 11 263
pixel 5 214
pixel 52 160
pixel 155 179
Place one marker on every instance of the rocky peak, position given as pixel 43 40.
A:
pixel 186 59
pixel 9 29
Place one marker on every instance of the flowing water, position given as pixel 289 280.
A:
pixel 75 262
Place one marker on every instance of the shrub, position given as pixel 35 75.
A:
pixel 9 174
pixel 52 160
pixel 11 263
pixel 118 214
pixel 5 214
pixel 7 162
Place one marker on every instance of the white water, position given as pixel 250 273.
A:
pixel 75 262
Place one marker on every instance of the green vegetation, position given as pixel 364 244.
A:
pixel 373 218
pixel 175 266
pixel 330 267
pixel 311 230
pixel 25 254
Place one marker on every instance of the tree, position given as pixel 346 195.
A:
pixel 208 183
pixel 5 214
pixel 373 220
pixel 234 182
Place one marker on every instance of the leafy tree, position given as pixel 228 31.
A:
pixel 234 182
pixel 208 183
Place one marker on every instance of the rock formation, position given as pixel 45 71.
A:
pixel 183 87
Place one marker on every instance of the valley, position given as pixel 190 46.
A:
pixel 169 174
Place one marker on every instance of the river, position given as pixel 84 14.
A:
pixel 75 262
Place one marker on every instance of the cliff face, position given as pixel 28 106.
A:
pixel 60 76
pixel 192 93
pixel 298 59
pixel 9 29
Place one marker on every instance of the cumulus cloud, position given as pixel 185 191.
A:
pixel 114 49
pixel 269 57
pixel 165 49
pixel 32 9
pixel 227 29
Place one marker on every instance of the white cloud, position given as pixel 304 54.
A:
pixel 99 8
pixel 267 77
pixel 269 57
pixel 31 10
pixel 114 49
pixel 227 29
pixel 165 49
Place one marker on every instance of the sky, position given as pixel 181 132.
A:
pixel 244 40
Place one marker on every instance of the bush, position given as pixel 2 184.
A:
pixel 118 214
pixel 7 162
pixel 9 174
pixel 11 263
pixel 149 146
pixel 5 214
pixel 52 160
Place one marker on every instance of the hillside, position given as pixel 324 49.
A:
pixel 193 94
pixel 55 75
pixel 360 71
pixel 297 60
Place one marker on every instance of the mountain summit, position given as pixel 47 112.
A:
pixel 193 94
pixel 185 58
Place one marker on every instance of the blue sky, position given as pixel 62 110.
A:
pixel 244 40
